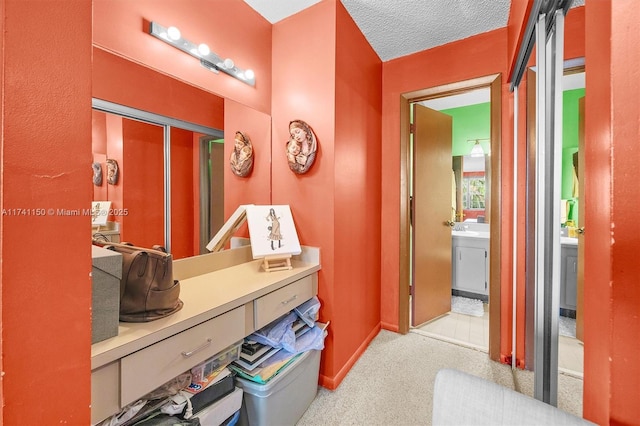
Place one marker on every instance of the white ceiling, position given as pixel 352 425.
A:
pixel 396 28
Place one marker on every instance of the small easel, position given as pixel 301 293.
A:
pixel 279 262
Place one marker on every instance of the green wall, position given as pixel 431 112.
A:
pixel 569 138
pixel 470 123
pixel 473 122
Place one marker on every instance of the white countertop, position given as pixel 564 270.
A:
pixel 569 241
pixel 205 296
pixel 470 234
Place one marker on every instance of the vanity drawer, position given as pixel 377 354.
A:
pixel 145 370
pixel 277 303
pixel 105 398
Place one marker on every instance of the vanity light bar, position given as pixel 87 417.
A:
pixel 208 59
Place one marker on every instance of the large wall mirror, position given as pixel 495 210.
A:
pixel 168 185
pixel 166 138
pixel 570 316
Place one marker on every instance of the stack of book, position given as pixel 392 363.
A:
pixel 256 362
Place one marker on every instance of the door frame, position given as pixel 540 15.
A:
pixel 494 83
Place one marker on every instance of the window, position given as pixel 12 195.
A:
pixel 473 193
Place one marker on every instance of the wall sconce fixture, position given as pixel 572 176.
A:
pixel 208 59
pixel 477 150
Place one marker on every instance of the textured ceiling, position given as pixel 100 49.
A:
pixel 401 27
pixel 396 28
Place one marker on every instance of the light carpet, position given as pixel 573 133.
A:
pixel 467 306
pixel 392 382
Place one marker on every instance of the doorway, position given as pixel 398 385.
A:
pixel 451 171
pixel 492 214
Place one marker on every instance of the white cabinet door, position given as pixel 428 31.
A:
pixel 470 269
pixel 569 281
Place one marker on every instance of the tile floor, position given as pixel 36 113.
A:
pixel 458 328
pixel 473 332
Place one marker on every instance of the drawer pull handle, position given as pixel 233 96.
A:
pixel 286 302
pixel 199 348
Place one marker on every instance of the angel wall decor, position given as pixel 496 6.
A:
pixel 241 160
pixel 301 147
pixel 97 173
pixel 113 171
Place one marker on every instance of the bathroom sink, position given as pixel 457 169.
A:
pixel 470 234
pixel 464 233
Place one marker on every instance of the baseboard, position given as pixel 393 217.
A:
pixel 332 383
pixel 390 327
pixel 470 295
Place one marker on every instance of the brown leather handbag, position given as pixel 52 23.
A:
pixel 147 289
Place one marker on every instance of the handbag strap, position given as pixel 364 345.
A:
pixel 157 249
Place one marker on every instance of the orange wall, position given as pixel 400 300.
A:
pixel 334 206
pixel 612 302
pixel 121 81
pixel 99 150
pixel 358 152
pixel 625 269
pixel 184 199
pixel 256 187
pixel 308 94
pixel 441 65
pixel 46 260
pixel 141 173
pixel 231 29
pixel 54 172
pixel 598 214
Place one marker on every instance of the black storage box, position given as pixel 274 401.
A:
pixel 212 393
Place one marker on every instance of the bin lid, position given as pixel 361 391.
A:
pixel 106 260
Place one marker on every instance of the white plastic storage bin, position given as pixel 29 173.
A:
pixel 284 399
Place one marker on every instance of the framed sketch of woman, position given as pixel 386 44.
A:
pixel 272 230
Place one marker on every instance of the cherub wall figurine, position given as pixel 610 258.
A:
pixel 112 171
pixel 301 147
pixel 242 155
pixel 97 173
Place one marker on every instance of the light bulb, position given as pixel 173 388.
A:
pixel 477 150
pixel 228 63
pixel 203 49
pixel 249 74
pixel 173 33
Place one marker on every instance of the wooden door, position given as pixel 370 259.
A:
pixel 433 207
pixel 581 203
